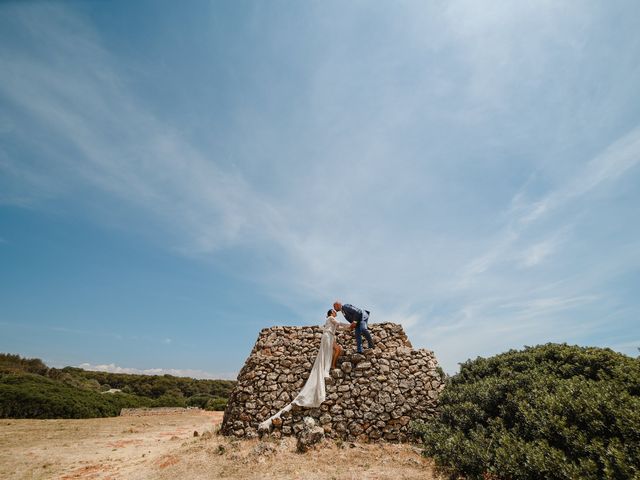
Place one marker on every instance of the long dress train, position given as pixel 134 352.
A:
pixel 313 392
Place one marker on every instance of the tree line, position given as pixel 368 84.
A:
pixel 30 389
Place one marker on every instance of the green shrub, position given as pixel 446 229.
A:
pixel 217 403
pixel 546 412
pixel 199 401
pixel 168 400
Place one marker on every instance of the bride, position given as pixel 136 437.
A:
pixel 313 393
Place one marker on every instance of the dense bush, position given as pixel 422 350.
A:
pixel 546 412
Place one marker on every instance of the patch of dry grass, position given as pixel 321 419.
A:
pixel 221 457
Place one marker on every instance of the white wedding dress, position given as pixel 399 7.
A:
pixel 313 393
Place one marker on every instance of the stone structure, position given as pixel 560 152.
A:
pixel 154 411
pixel 369 397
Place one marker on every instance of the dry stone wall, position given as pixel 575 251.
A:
pixel 369 397
pixel 154 411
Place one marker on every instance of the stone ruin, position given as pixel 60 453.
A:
pixel 369 397
pixel 155 411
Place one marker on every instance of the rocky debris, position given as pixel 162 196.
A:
pixel 264 449
pixel 309 436
pixel 153 411
pixel 369 397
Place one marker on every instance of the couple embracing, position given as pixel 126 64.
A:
pixel 358 319
pixel 313 392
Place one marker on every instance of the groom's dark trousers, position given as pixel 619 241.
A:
pixel 362 329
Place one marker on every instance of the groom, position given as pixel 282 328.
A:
pixel 358 319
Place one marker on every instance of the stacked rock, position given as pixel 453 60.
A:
pixel 369 397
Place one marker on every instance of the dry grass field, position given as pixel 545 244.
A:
pixel 164 447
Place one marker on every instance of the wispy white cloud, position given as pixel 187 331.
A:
pixel 492 327
pixel 543 306
pixel 613 162
pixel 404 317
pixel 118 145
pixel 538 252
pixel 616 159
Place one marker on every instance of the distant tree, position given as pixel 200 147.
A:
pixel 12 362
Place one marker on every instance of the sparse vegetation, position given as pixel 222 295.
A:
pixel 546 412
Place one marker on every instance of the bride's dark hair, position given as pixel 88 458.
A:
pixel 329 312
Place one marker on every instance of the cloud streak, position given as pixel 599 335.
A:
pixel 100 135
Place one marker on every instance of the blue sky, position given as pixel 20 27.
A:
pixel 175 178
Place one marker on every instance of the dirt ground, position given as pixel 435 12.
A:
pixel 164 447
